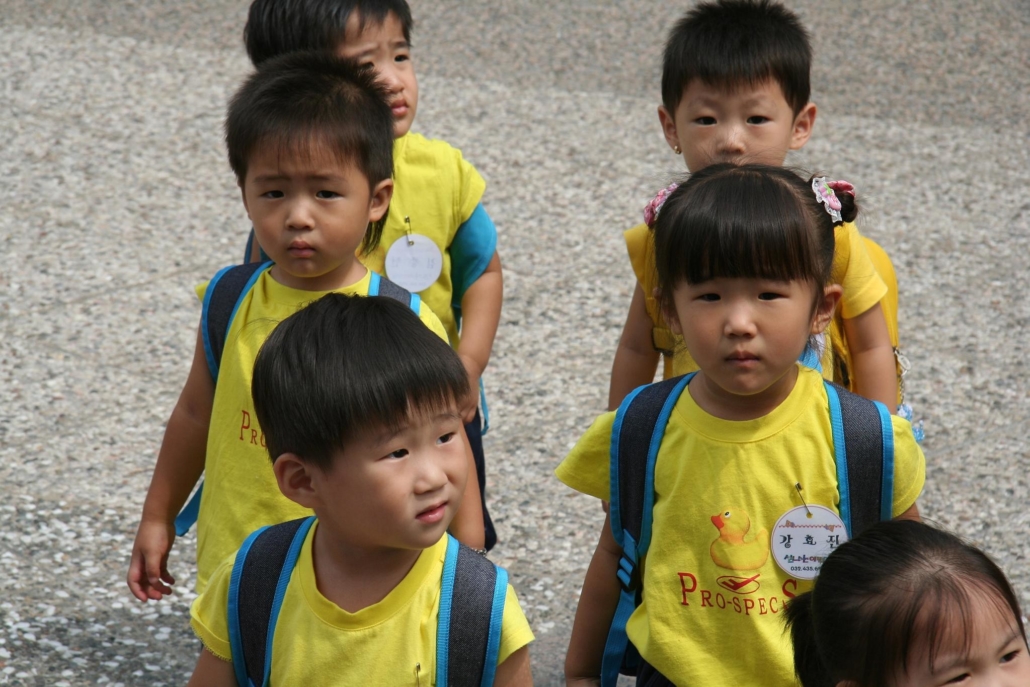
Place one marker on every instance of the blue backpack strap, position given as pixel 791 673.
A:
pixel 221 301
pixel 381 286
pixel 863 447
pixel 260 575
pixel 468 635
pixel 636 437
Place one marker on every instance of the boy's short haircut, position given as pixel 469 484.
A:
pixel 738 42
pixel 277 27
pixel 312 104
pixel 345 366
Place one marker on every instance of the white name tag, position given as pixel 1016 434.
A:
pixel 803 537
pixel 414 262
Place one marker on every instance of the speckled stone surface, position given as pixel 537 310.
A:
pixel 117 199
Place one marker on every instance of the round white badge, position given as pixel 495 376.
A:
pixel 803 537
pixel 414 262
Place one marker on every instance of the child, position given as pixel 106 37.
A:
pixel 735 88
pixel 907 605
pixel 743 258
pixel 309 139
pixel 438 240
pixel 360 407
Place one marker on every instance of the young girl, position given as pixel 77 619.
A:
pixel 907 605
pixel 743 255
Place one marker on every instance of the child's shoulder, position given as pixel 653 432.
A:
pixel 414 147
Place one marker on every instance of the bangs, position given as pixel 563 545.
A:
pixel 739 225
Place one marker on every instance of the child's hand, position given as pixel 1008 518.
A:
pixel 148 576
pixel 468 408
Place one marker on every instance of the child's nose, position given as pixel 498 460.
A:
pixel 431 475
pixel 739 321
pixel 300 216
pixel 732 140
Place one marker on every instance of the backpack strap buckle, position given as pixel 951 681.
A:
pixel 628 574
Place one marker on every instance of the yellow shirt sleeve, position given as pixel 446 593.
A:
pixel 909 466
pixel 854 271
pixel 585 469
pixel 515 631
pixel 430 319
pixel 469 190
pixel 209 612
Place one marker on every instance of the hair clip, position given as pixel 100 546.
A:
pixel 842 187
pixel 652 209
pixel 825 195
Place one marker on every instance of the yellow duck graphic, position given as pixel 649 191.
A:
pixel 730 550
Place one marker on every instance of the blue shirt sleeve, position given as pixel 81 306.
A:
pixel 471 250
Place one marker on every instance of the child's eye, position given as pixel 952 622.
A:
pixel 705 121
pixel 324 195
pixel 957 679
pixel 757 119
pixel 1010 656
pixel 399 453
pixel 445 438
pixel 403 57
pixel 272 194
pixel 708 297
pixel 769 296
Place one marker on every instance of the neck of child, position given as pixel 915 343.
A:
pixel 346 274
pixel 354 577
pixel 727 405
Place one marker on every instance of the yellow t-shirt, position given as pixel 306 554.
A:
pixel 318 643
pixel 691 625
pixel 852 269
pixel 240 491
pixel 437 190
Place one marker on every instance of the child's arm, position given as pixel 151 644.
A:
pixel 467 525
pixel 179 465
pixel 636 358
pixel 872 357
pixel 515 671
pixel 480 314
pixel 212 671
pixel 597 603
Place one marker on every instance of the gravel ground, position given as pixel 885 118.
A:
pixel 118 200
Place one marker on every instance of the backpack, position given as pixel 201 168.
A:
pixel 222 298
pixel 863 441
pixel 468 635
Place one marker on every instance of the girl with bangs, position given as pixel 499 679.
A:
pixel 907 605
pixel 743 258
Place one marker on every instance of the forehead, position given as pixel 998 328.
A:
pixel 363 34
pixel 303 156
pixel 700 93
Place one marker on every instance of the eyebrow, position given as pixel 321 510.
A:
pixel 955 661
pixel 266 178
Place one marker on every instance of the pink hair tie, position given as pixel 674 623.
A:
pixel 824 193
pixel 652 209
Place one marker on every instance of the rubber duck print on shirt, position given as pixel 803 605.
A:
pixel 731 550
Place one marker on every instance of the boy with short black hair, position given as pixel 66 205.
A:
pixel 438 240
pixel 360 408
pixel 309 138
pixel 735 88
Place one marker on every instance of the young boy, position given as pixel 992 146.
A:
pixel 438 240
pixel 735 88
pixel 309 138
pixel 360 408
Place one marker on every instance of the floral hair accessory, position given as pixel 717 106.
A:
pixel 825 195
pixel 842 187
pixel 652 209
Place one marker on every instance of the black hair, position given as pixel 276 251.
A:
pixel 345 366
pixel 884 596
pixel 749 221
pixel 313 104
pixel 277 27
pixel 738 42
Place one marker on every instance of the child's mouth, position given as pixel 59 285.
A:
pixel 433 514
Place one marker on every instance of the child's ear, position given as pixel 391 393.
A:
pixel 668 314
pixel 379 203
pixel 668 121
pixel 825 307
pixel 803 124
pixel 243 195
pixel 295 479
